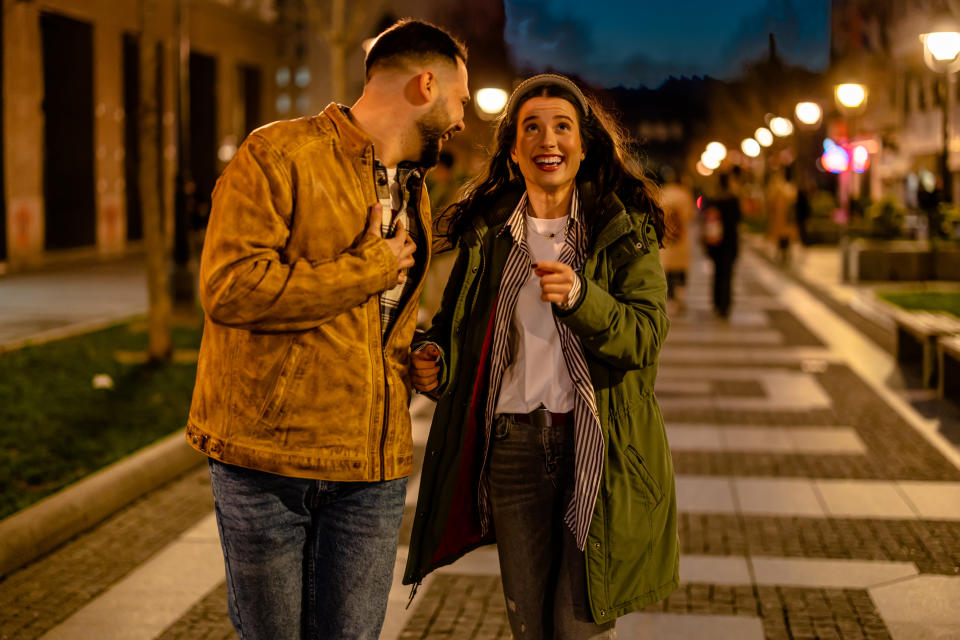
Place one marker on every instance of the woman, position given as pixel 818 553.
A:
pixel 543 358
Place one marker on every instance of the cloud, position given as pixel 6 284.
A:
pixel 800 30
pixel 550 36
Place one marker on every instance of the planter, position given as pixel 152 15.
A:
pixel 899 260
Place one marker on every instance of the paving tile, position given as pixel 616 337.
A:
pixel 824 573
pixel 934 500
pixel 479 562
pixel 922 608
pixel 694 437
pixel 863 499
pixel 755 439
pixel 156 594
pixel 825 440
pixel 673 626
pixel 685 387
pixel 714 569
pixel 723 335
pixel 777 496
pixel 703 494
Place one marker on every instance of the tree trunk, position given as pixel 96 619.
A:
pixel 338 50
pixel 160 346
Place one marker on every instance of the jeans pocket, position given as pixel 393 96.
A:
pixel 501 428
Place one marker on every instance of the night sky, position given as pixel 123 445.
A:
pixel 638 42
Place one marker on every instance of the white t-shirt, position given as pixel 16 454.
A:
pixel 537 373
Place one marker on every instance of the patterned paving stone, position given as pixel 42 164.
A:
pixel 48 591
pixel 934 546
pixel 894 450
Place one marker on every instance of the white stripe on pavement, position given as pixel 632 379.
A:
pixel 819 498
pixel 765 439
pixel 156 594
pixel 682 626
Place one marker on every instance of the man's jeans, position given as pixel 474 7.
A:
pixel 306 558
pixel 543 572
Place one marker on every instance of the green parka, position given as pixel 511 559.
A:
pixel 632 548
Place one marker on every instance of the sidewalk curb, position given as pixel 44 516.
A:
pixel 40 528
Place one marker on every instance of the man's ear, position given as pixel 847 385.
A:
pixel 427 85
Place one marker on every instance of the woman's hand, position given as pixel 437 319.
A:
pixel 424 368
pixel 556 281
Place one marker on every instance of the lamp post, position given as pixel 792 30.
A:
pixel 941 53
pixel 851 100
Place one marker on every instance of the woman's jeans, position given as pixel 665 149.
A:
pixel 543 572
pixel 306 558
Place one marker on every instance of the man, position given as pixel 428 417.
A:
pixel 312 267
pixel 726 208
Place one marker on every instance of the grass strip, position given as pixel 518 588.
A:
pixel 57 428
pixel 948 301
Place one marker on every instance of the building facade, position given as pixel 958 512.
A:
pixel 70 115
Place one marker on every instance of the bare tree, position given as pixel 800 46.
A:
pixel 160 345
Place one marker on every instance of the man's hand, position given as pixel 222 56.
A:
pixel 401 244
pixel 424 368
pixel 556 281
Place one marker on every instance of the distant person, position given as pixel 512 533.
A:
pixel 722 237
pixel 547 437
pixel 678 210
pixel 803 210
pixel 311 272
pixel 780 198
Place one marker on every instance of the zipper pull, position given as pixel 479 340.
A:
pixel 413 592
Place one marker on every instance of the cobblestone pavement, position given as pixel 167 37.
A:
pixel 811 506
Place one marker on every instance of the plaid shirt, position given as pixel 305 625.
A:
pixel 395 198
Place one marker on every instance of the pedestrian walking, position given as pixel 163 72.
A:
pixel 547 437
pixel 311 271
pixel 781 196
pixel 722 238
pixel 678 207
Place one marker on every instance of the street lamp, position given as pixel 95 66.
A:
pixel 941 53
pixel 717 150
pixel 750 147
pixel 763 136
pixel 809 113
pixel 490 102
pixel 781 127
pixel 851 96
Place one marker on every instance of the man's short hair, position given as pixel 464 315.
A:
pixel 410 42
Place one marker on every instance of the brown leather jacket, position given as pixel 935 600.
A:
pixel 293 377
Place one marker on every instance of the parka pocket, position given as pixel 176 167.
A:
pixel 653 492
pixel 274 407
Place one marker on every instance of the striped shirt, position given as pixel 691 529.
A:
pixel 396 190
pixel 588 436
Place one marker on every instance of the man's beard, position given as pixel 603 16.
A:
pixel 431 129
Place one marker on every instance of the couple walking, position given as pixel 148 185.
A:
pixel 547 438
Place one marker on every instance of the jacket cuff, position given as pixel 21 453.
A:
pixel 574 300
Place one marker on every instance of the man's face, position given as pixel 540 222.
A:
pixel 445 117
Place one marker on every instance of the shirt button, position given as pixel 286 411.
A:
pixel 474 270
pixel 382 181
pixel 596 545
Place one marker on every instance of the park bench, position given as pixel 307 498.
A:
pixel 917 334
pixel 948 356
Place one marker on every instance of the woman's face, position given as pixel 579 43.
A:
pixel 548 148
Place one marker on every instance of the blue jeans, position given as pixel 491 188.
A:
pixel 306 558
pixel 543 571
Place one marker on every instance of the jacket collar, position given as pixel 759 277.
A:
pixel 354 140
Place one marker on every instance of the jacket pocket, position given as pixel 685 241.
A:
pixel 273 409
pixel 652 490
